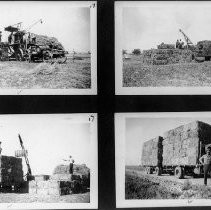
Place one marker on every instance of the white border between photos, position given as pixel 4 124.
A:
pixel 119 89
pixel 78 118
pixel 121 202
pixel 93 41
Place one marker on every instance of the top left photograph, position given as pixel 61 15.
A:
pixel 48 48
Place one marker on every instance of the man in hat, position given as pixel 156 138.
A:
pixel 205 160
pixel 0 148
pixel 0 35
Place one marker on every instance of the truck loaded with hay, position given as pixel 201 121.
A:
pixel 177 151
pixel 23 45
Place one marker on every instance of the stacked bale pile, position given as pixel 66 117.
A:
pixel 50 187
pixel 166 46
pixel 181 145
pixel 166 56
pixel 80 173
pixel 11 170
pixel 152 152
pixel 45 40
pixel 61 182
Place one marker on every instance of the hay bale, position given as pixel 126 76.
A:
pixel 166 46
pixel 152 152
pixel 41 177
pixel 181 145
pixel 61 177
pixel 11 170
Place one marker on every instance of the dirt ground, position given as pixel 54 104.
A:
pixel 32 198
pixel 139 185
pixel 24 75
pixel 137 74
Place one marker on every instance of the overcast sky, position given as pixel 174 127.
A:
pixel 139 130
pixel 152 23
pixel 48 139
pixel 70 25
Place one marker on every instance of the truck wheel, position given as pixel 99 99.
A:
pixel 178 172
pixel 158 171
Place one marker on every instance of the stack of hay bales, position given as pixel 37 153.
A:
pixel 45 40
pixel 152 152
pixel 50 187
pixel 77 169
pixel 166 56
pixel 181 145
pixel 166 46
pixel 11 170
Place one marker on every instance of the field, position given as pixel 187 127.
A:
pixel 29 198
pixel 137 74
pixel 139 185
pixel 23 75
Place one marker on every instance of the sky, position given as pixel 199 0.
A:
pixel 48 139
pixel 150 24
pixel 139 130
pixel 70 25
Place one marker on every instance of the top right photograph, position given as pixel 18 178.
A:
pixel 163 48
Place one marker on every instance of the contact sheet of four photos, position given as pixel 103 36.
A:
pixel 54 153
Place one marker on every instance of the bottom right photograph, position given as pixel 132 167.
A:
pixel 163 159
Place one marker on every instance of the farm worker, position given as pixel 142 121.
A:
pixel 0 148
pixel 70 162
pixel 71 167
pixel 10 38
pixel 205 160
pixel 34 40
pixel 177 43
pixel 0 35
pixel 29 38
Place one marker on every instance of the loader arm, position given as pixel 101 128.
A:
pixel 29 172
pixel 188 41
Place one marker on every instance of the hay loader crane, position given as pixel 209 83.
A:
pixel 29 172
pixel 187 39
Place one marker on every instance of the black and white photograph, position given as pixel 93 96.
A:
pixel 48 161
pixel 48 47
pixel 163 47
pixel 163 159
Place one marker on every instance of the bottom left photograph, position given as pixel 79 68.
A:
pixel 48 161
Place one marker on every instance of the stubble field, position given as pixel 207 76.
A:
pixel 24 75
pixel 139 185
pixel 32 198
pixel 138 74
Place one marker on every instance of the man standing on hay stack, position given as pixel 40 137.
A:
pixel 71 162
pixel 0 148
pixel 205 160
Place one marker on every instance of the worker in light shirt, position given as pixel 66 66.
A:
pixel 205 160
pixel 70 162
pixel 0 148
